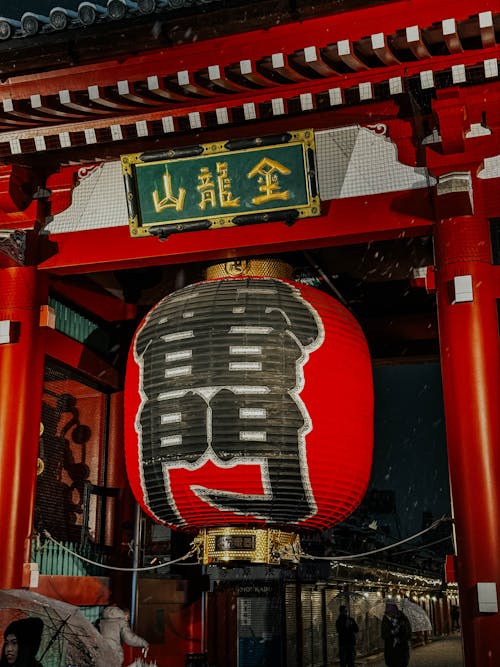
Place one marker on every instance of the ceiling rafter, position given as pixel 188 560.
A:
pixel 88 105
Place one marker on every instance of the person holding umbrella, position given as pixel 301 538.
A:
pixel 396 633
pixel 21 643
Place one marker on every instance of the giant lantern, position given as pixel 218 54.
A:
pixel 249 412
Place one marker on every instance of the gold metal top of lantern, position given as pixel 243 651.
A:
pixel 267 546
pixel 269 267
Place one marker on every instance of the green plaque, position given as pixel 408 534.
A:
pixel 223 184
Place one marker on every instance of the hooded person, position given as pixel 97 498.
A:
pixel 21 643
pixel 396 633
pixel 114 627
pixel 347 628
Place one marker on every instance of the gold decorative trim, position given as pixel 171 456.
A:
pixel 40 466
pixel 268 546
pixel 270 267
pixel 170 177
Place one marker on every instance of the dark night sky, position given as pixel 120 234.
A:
pixel 15 8
pixel 410 443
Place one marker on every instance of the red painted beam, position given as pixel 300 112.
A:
pixel 74 354
pixel 470 363
pixel 104 306
pixel 21 379
pixel 226 50
pixel 81 591
pixel 354 220
pixel 490 190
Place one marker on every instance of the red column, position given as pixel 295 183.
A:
pixel 21 379
pixel 470 360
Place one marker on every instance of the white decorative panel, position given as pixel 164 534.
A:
pixel 278 106
pixel 194 120
pixel 306 102
pixel 15 146
pixel 222 115
pixel 116 132
pixel 40 143
pixel 142 128
pixel 354 161
pixel 490 68
pixel 395 85
pixel 98 201
pixel 249 111
pixel 167 123
pixel 335 96
pixel 491 167
pixel 427 79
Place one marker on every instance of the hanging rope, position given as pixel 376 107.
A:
pixel 190 553
pixel 376 551
pixel 195 548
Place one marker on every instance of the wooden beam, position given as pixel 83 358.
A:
pixel 353 220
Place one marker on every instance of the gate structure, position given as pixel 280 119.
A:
pixel 403 99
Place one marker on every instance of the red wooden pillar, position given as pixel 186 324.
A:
pixel 21 380
pixel 470 360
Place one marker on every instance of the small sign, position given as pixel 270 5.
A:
pixel 234 542
pixel 231 183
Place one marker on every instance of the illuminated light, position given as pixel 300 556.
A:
pixel 6 27
pixel 32 23
pixel 89 11
pixel 59 17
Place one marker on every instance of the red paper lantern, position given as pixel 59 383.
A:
pixel 249 402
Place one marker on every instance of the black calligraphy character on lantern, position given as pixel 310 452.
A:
pixel 221 370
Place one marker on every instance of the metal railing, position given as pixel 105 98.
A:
pixel 53 559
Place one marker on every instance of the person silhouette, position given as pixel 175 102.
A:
pixel 347 629
pixel 396 633
pixel 455 617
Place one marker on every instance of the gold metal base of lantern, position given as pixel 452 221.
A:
pixel 268 546
pixel 269 267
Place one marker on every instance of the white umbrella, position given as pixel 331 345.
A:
pixel 419 620
pixel 68 637
pixel 356 603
